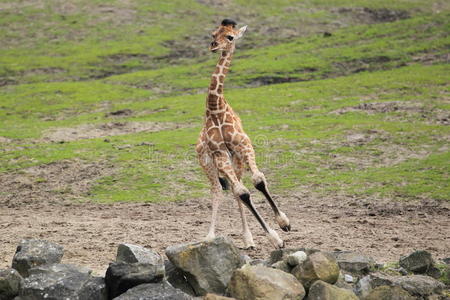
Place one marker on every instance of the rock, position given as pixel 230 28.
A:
pixel 216 297
pixel 402 271
pixel 342 283
pixel 318 266
pixel 59 268
pixel 207 265
pixel 282 254
pixel 261 262
pixel 321 290
pixel 32 253
pixel 434 272
pixel 154 291
pixel 282 266
pixel 420 285
pixel 417 262
pixel 354 262
pixel 348 278
pixel 262 283
pixel 177 278
pixel 10 281
pixel 121 276
pixel 133 253
pixel 385 292
pixel 246 259
pixel 61 281
pixel 416 285
pixel 296 258
pixel 363 287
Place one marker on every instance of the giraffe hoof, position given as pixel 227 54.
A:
pixel 286 228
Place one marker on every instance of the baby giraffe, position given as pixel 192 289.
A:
pixel 225 151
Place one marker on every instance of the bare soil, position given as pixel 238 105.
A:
pixel 58 183
pixel 406 108
pixel 91 232
pixel 89 131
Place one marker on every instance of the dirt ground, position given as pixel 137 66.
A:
pixel 90 233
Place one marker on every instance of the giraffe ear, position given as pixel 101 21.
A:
pixel 241 31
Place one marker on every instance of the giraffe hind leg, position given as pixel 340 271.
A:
pixel 224 183
pixel 260 183
pixel 224 166
pixel 280 217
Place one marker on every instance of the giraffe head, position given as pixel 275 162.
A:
pixel 225 36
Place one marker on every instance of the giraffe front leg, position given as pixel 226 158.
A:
pixel 212 173
pixel 247 237
pixel 216 195
pixel 246 233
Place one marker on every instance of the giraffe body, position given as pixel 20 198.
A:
pixel 224 149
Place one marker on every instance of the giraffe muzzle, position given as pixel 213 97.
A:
pixel 214 47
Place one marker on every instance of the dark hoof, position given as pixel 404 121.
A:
pixel 286 228
pixel 284 245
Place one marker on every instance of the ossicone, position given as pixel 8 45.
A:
pixel 228 22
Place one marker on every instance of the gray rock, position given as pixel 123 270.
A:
pixel 296 258
pixel 363 287
pixel 32 253
pixel 216 297
pixel 133 253
pixel 416 285
pixel 342 283
pixel 282 266
pixel 121 276
pixel 154 291
pixel 59 268
pixel 348 278
pixel 318 266
pixel 282 254
pixel 385 292
pixel 57 281
pixel 434 272
pixel 208 265
pixel 417 262
pixel 260 262
pixel 353 262
pixel 420 285
pixel 177 278
pixel 262 283
pixel 10 281
pixel 246 259
pixel 321 290
pixel 402 271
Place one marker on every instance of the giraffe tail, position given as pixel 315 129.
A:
pixel 224 183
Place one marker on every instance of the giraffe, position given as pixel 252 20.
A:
pixel 224 149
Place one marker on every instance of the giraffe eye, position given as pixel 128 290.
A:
pixel 230 37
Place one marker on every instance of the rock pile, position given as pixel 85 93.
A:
pixel 215 270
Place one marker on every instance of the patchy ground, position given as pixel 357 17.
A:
pixel 91 232
pixel 347 103
pixel 56 183
pixel 89 131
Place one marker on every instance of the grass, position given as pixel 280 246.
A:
pixel 68 66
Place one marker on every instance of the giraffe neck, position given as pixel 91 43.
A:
pixel 215 100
